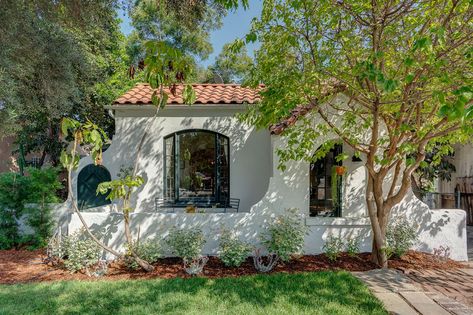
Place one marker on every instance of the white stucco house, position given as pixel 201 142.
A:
pixel 203 155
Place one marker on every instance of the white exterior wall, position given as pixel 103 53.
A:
pixel 463 161
pixel 264 190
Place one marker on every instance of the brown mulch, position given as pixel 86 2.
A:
pixel 418 261
pixel 22 266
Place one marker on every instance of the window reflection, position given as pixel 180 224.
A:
pixel 197 168
pixel 324 199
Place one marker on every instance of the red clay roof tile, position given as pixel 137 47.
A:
pixel 206 94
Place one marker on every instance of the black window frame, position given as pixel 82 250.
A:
pixel 183 202
pixel 337 209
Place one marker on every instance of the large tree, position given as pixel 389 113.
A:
pixel 56 61
pixel 406 67
pixel 229 67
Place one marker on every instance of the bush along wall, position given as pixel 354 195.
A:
pixel 39 188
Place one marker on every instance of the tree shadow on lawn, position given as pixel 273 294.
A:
pixel 315 293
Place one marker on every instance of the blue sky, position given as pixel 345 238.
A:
pixel 235 25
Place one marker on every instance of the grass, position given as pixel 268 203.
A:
pixel 304 293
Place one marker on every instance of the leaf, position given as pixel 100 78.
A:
pixel 155 99
pixel 164 101
pixel 189 95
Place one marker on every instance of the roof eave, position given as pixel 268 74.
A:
pixel 126 106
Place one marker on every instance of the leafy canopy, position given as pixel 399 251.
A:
pixel 405 66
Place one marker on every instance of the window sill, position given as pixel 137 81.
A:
pixel 331 221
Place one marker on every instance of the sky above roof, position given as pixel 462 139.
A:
pixel 235 25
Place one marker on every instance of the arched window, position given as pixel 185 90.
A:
pixel 87 181
pixel 326 185
pixel 196 168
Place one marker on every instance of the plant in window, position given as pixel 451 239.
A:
pixel 285 235
pixel 233 251
pixel 333 247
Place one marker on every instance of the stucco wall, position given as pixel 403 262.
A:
pixel 250 150
pixel 264 190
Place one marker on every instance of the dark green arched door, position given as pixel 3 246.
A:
pixel 87 182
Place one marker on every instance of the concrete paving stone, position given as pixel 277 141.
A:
pixel 423 304
pixel 394 304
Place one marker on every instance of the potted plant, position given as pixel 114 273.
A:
pixel 340 170
pixel 190 208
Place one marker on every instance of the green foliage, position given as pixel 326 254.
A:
pixel 38 188
pixel 43 187
pixel 285 235
pixel 149 250
pixel 229 66
pixel 353 246
pixel 333 247
pixel 185 25
pixel 88 135
pixel 400 237
pixel 233 251
pixel 79 252
pixel 122 187
pixel 185 243
pixel 55 63
pixel 311 50
pixel 14 192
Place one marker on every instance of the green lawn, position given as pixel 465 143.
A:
pixel 306 293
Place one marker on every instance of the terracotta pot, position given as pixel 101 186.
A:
pixel 340 170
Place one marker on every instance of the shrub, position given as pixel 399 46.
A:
pixel 333 247
pixel 39 187
pixel 233 251
pixel 14 192
pixel 186 243
pixel 353 246
pixel 79 252
pixel 400 236
pixel 149 250
pixel 285 235
pixel 44 185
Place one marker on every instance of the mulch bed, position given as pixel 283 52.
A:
pixel 22 266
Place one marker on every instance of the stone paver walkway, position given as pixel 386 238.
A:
pixel 454 283
pixel 402 296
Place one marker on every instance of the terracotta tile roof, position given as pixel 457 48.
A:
pixel 206 94
pixel 302 110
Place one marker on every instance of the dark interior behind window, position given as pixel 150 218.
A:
pixel 322 199
pixel 196 168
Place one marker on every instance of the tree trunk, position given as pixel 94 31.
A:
pixel 378 219
pixel 143 263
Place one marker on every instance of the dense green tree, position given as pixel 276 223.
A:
pixel 405 66
pixel 229 67
pixel 56 61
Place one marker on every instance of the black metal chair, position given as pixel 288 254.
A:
pixel 161 203
pixel 233 203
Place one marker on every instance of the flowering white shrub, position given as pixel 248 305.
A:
pixel 285 235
